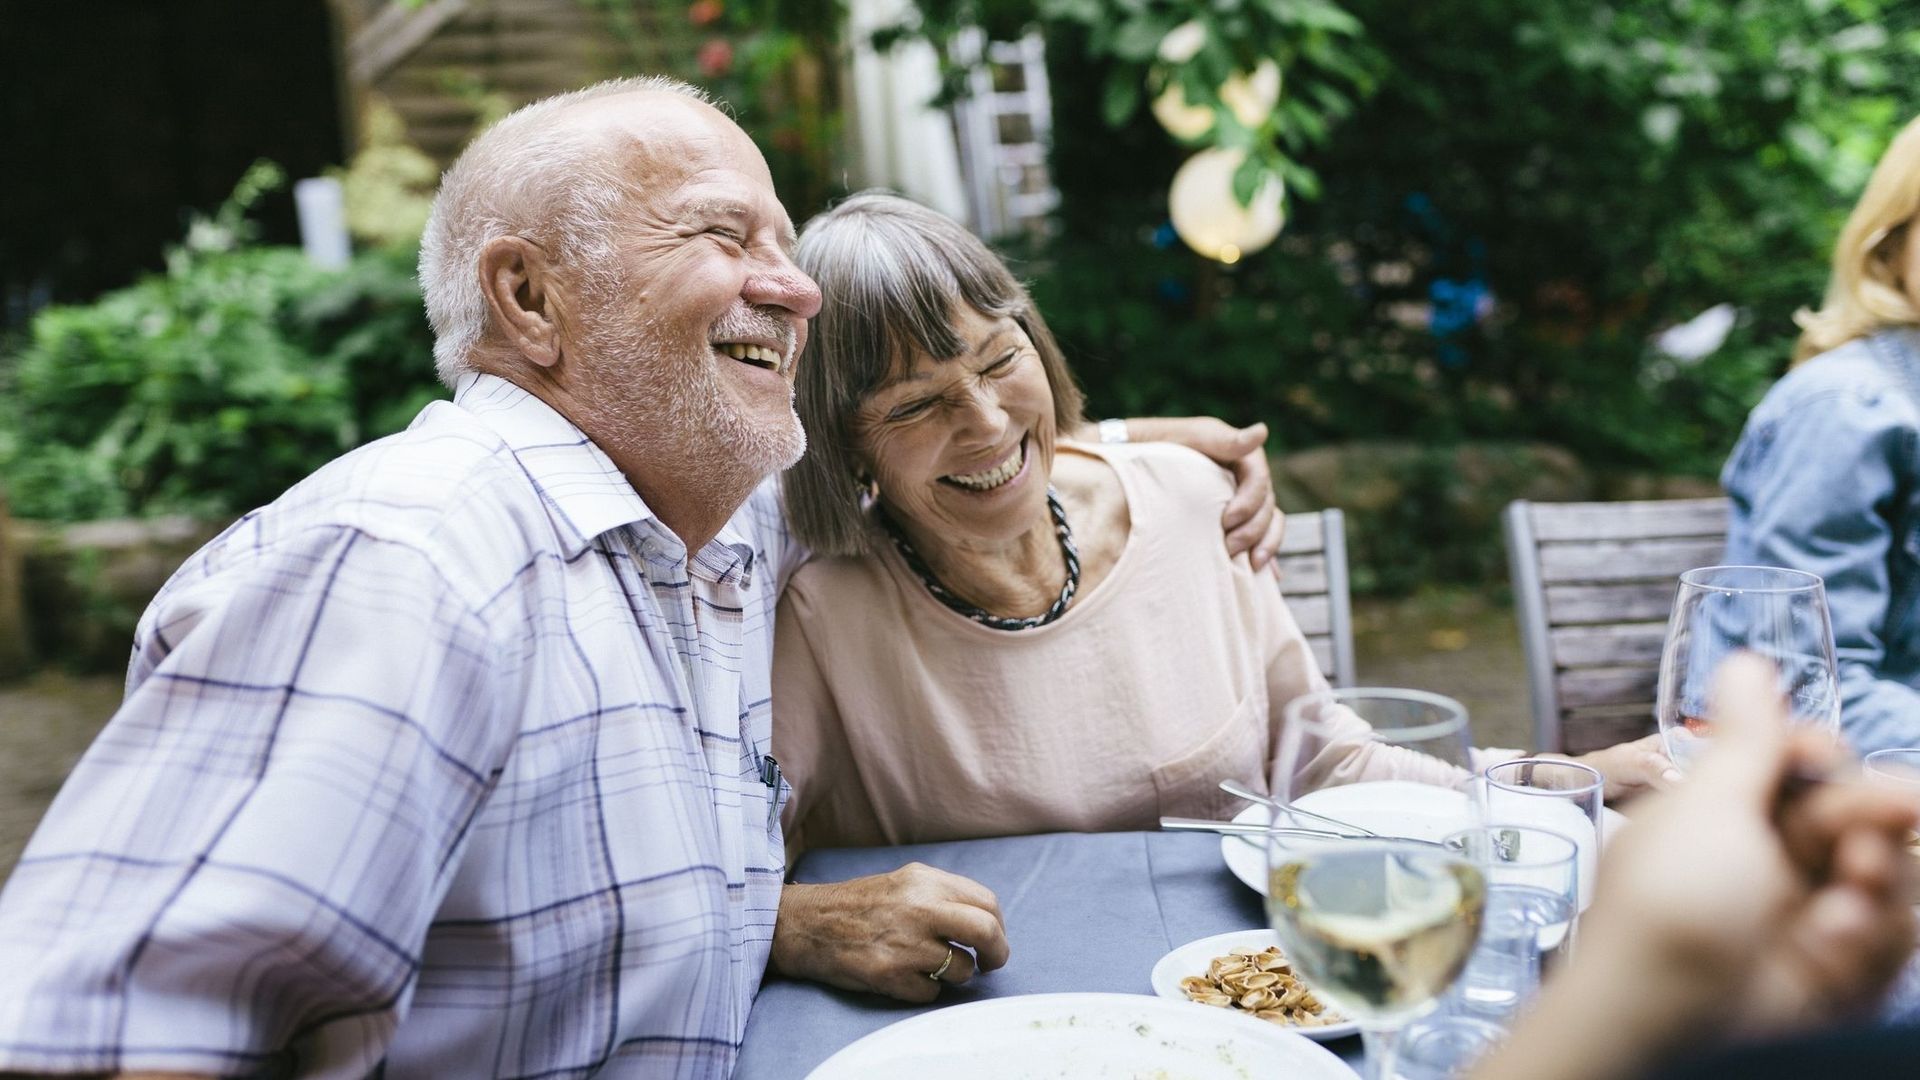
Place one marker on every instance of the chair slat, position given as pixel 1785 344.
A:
pixel 1618 645
pixel 1636 601
pixel 1658 519
pixel 1312 613
pixel 1303 534
pixel 1303 575
pixel 1598 728
pixel 1626 560
pixel 1583 687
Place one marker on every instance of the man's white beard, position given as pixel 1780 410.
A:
pixel 661 399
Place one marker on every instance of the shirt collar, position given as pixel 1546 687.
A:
pixel 585 494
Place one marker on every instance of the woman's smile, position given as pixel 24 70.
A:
pixel 1011 468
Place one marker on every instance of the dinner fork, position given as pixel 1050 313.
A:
pixel 1236 788
pixel 1247 830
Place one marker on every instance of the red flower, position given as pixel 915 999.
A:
pixel 703 12
pixel 716 58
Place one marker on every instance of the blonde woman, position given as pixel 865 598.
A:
pixel 1826 476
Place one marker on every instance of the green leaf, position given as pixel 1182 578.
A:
pixel 1138 38
pixel 1122 96
pixel 1248 178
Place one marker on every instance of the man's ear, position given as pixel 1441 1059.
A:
pixel 518 283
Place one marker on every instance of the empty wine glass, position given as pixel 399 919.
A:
pixel 1379 926
pixel 1776 614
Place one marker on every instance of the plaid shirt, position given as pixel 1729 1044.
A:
pixel 445 764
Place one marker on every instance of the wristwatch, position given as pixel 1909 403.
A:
pixel 1113 430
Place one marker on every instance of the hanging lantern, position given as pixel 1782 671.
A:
pixel 1211 220
pixel 1251 97
pixel 1183 42
pixel 1182 121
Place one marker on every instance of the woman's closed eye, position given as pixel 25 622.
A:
pixel 911 409
pixel 1002 366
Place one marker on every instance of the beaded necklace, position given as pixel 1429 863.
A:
pixel 981 615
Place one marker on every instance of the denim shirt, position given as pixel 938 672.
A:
pixel 1826 478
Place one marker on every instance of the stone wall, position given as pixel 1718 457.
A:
pixel 82 587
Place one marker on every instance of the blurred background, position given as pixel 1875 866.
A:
pixel 1454 252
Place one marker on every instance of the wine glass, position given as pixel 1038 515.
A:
pixel 1900 765
pixel 1381 925
pixel 1776 614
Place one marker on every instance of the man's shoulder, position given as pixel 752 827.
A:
pixel 447 488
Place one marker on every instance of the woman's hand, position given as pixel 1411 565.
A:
pixel 888 933
pixel 1631 768
pixel 1252 519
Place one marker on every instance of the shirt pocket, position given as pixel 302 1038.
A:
pixel 1189 785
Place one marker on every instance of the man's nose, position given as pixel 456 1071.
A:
pixel 777 282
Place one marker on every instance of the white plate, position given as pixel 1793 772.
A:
pixel 1392 807
pixel 1192 959
pixel 1081 1037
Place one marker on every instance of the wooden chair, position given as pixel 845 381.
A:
pixel 1313 575
pixel 1593 584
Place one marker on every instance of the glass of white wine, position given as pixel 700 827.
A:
pixel 1379 928
pixel 1381 925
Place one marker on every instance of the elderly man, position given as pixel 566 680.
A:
pixel 452 761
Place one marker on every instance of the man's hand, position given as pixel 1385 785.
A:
pixel 1252 520
pixel 1743 901
pixel 887 933
pixel 1788 906
pixel 1631 768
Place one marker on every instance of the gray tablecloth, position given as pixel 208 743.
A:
pixel 1084 912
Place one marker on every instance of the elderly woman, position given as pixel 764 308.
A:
pixel 1826 476
pixel 1005 631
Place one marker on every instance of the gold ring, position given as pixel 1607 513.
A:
pixel 944 965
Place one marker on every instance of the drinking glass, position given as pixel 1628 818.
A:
pixel 1532 877
pixel 1379 926
pixel 1444 1046
pixel 1779 615
pixel 1548 793
pixel 1899 766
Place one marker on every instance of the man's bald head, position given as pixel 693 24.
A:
pixel 557 172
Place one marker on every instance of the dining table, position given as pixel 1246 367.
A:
pixel 1084 912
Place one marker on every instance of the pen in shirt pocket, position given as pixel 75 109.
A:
pixel 770 776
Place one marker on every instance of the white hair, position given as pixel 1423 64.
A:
pixel 553 183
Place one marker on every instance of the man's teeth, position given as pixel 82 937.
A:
pixel 994 477
pixel 756 354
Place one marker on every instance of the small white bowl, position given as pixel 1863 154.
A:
pixel 1192 959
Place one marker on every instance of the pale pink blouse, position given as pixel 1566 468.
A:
pixel 901 721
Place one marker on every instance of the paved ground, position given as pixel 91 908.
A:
pixel 45 722
pixel 1456 642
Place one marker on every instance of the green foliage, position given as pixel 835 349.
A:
pixel 213 387
pixel 1319 46
pixel 1596 172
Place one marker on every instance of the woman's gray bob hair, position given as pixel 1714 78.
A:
pixel 890 272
